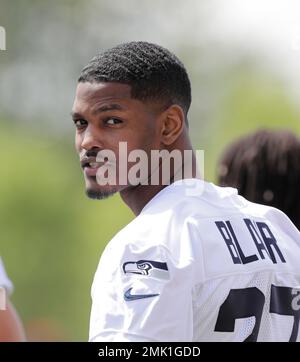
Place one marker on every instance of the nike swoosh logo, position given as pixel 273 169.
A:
pixel 128 296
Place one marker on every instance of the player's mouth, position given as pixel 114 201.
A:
pixel 90 166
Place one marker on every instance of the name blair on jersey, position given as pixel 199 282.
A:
pixel 264 241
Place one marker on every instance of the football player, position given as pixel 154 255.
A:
pixel 198 262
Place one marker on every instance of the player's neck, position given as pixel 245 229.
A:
pixel 137 197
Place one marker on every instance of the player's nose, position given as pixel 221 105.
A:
pixel 91 139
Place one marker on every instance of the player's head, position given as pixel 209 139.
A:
pixel 152 72
pixel 137 93
pixel 265 168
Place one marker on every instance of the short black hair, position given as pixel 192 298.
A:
pixel 265 168
pixel 153 72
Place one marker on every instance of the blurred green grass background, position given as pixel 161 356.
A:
pixel 51 235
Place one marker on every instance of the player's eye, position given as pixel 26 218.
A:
pixel 113 121
pixel 80 123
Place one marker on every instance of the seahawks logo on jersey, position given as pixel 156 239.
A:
pixel 151 268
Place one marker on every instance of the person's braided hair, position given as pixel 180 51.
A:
pixel 265 168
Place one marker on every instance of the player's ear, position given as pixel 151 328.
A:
pixel 172 124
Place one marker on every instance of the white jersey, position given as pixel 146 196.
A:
pixel 4 280
pixel 199 267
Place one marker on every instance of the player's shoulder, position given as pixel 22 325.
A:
pixel 185 200
pixel 185 203
pixel 194 198
pixel 175 211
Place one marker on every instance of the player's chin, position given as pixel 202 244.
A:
pixel 99 192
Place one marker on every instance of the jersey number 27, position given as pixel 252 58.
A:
pixel 249 302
